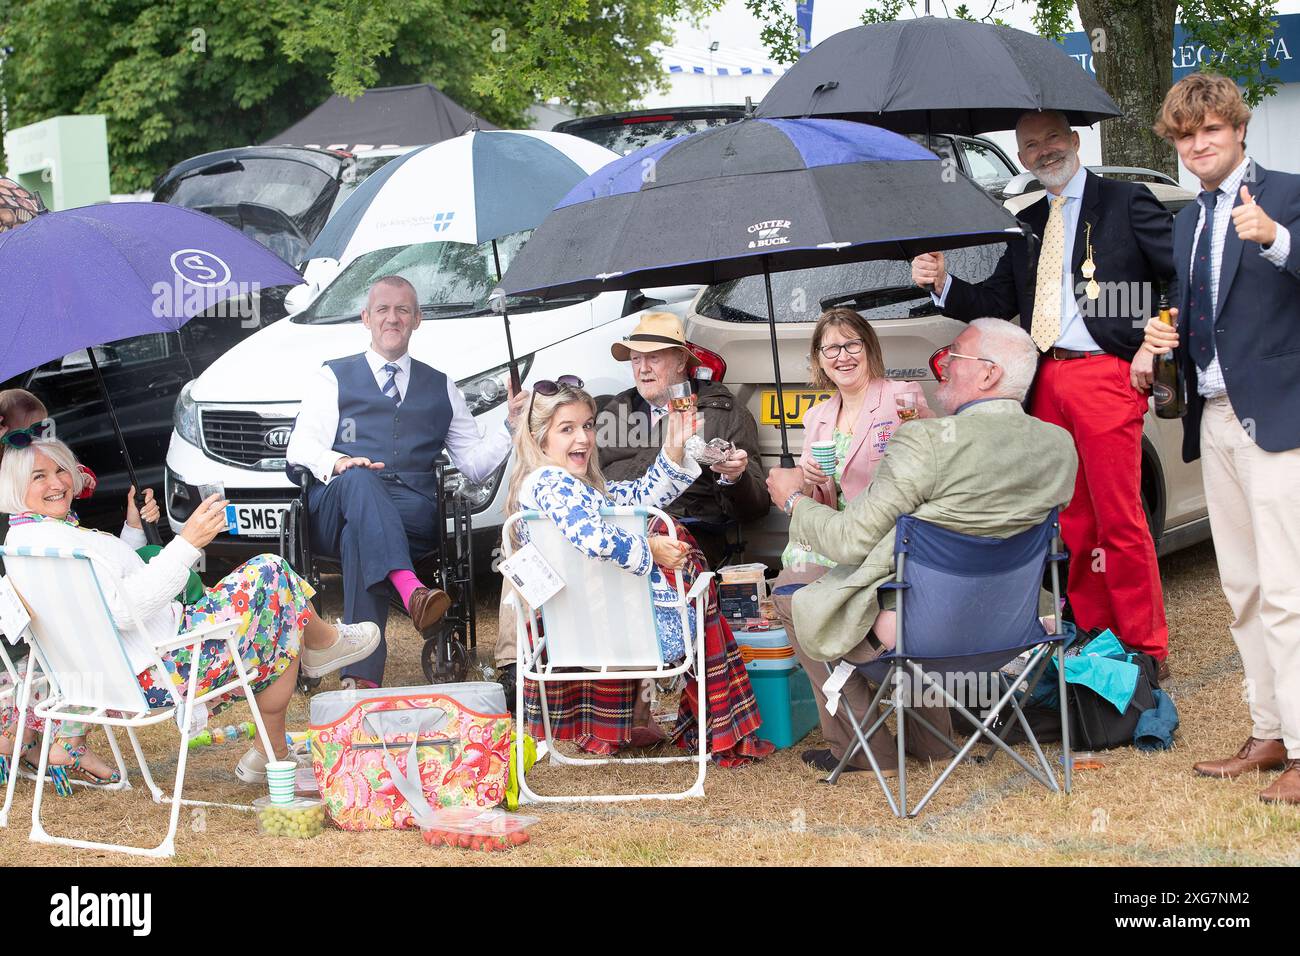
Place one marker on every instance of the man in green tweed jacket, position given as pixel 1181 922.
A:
pixel 986 469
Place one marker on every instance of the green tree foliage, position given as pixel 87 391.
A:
pixel 181 77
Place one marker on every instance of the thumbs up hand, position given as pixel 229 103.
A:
pixel 1252 223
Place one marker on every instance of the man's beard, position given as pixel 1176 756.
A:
pixel 943 395
pixel 1067 170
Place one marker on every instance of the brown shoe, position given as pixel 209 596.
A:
pixel 1256 754
pixel 427 606
pixel 1286 788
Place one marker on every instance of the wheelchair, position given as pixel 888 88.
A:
pixel 449 644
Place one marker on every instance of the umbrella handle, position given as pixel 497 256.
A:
pixel 150 528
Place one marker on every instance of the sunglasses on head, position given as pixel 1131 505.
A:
pixel 23 437
pixel 549 388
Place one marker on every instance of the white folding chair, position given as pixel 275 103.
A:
pixel 11 693
pixel 79 649
pixel 601 625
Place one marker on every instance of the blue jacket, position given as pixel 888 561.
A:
pixel 1257 321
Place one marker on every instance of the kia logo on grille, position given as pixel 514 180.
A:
pixel 278 438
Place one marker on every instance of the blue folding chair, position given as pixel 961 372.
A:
pixel 967 606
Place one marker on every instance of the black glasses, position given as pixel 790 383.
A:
pixel 852 346
pixel 23 437
pixel 548 388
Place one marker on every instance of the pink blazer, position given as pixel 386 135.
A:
pixel 871 432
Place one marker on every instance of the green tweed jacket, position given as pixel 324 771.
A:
pixel 990 470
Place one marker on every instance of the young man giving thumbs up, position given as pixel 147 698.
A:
pixel 1237 258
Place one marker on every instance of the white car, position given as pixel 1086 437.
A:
pixel 232 424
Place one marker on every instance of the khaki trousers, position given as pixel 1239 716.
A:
pixel 1253 498
pixel 856 694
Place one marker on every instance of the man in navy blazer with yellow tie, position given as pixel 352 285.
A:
pixel 1237 259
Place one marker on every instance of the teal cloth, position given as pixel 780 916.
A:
pixel 1105 669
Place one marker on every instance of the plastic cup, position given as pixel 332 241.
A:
pixel 680 396
pixel 218 488
pixel 823 452
pixel 281 778
pixel 906 405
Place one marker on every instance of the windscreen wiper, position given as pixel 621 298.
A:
pixel 873 298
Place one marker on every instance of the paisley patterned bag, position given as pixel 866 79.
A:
pixel 385 756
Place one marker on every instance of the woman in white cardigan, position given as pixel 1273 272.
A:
pixel 279 632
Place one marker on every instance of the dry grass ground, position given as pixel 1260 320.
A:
pixel 1140 809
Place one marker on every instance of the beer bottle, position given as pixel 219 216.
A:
pixel 1167 383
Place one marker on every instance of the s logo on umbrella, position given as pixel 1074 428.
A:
pixel 200 267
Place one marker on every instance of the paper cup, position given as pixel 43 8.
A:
pixel 823 452
pixel 281 778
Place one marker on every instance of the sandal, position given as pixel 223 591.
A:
pixel 58 776
pixel 86 776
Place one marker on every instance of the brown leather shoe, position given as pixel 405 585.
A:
pixel 1256 754
pixel 1286 788
pixel 427 606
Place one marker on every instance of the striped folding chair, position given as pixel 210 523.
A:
pixel 601 624
pixel 967 606
pixel 12 695
pixel 78 648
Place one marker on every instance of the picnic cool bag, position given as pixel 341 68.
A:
pixel 385 755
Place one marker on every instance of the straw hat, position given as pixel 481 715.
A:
pixel 655 331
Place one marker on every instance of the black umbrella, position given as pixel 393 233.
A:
pixel 757 196
pixel 934 73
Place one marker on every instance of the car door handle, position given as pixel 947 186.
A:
pixel 165 382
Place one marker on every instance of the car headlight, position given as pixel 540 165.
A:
pixel 185 417
pixel 489 389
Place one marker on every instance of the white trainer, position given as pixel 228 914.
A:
pixel 356 642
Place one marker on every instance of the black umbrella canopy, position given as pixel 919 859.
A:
pixel 414 115
pixel 935 74
pixel 753 196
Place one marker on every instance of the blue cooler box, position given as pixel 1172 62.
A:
pixel 781 687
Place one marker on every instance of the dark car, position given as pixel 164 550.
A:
pixel 629 131
pixel 281 196
pixel 144 375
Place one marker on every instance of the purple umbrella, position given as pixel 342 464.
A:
pixel 83 277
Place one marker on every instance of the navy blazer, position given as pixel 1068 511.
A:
pixel 1132 242
pixel 1257 321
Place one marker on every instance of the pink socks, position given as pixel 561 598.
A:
pixel 406 583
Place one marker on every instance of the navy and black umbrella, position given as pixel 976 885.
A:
pixel 940 74
pixel 757 196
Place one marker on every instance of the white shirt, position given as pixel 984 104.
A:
pixel 312 444
pixel 1074 331
pixel 141 597
pixel 1209 381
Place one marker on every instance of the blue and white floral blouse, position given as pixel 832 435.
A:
pixel 575 506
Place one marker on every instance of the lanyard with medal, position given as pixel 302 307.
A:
pixel 1089 268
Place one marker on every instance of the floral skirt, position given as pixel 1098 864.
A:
pixel 272 604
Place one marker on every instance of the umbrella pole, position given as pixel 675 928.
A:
pixel 510 346
pixel 150 529
pixel 787 460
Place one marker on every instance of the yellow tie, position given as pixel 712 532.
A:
pixel 1047 296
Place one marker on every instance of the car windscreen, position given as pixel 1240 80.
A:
pixel 879 290
pixel 452 280
pixel 624 138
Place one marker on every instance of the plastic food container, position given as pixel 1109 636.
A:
pixel 303 818
pixel 1085 760
pixel 469 828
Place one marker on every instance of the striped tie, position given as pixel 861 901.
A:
pixel 390 387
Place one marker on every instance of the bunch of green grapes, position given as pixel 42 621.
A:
pixel 300 822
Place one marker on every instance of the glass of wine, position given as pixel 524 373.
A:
pixel 906 405
pixel 680 397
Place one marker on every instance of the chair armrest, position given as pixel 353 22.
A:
pixel 189 637
pixel 699 586
pixel 300 475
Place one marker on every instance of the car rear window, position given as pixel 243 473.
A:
pixel 885 289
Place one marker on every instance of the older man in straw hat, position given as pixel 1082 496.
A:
pixel 630 431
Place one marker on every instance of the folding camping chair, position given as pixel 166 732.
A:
pixel 601 625
pixel 967 606
pixel 11 694
pixel 79 649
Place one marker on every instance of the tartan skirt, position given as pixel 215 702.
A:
pixel 598 715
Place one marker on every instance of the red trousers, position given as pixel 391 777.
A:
pixel 1114 579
